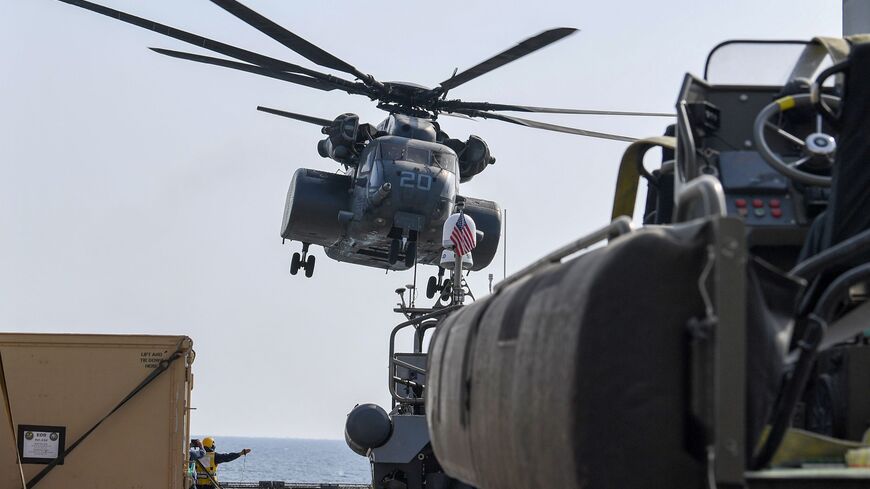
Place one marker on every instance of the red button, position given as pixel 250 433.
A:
pixel 740 202
pixel 777 213
pixel 757 203
pixel 774 203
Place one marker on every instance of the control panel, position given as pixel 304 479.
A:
pixel 761 210
pixel 755 191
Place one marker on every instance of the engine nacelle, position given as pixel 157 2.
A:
pixel 314 201
pixel 340 145
pixel 474 156
pixel 487 218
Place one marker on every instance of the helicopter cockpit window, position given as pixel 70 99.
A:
pixel 366 166
pixel 376 177
pixel 445 161
pixel 759 63
pixel 390 151
pixel 417 155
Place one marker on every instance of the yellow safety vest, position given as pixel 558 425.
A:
pixel 206 462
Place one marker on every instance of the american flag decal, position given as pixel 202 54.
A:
pixel 463 239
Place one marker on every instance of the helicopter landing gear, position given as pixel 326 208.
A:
pixel 446 290
pixel 304 261
pixel 410 247
pixel 309 266
pixel 431 287
pixel 435 284
pixel 439 286
pixel 294 264
pixel 395 246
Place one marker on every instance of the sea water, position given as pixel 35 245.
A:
pixel 292 460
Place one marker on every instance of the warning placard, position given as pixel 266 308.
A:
pixel 41 444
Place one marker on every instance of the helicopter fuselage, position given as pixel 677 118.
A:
pixel 403 189
pixel 389 210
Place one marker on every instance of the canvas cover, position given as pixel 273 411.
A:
pixel 577 376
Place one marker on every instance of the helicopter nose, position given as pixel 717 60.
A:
pixel 415 188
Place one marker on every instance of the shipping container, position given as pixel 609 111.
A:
pixel 60 387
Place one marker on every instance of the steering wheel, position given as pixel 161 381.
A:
pixel 818 149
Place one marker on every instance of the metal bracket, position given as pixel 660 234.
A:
pixel 729 362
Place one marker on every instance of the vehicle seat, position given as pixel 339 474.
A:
pixel 848 210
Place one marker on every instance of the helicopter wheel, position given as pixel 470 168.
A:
pixel 294 263
pixel 410 253
pixel 431 287
pixel 309 266
pixel 395 244
pixel 446 289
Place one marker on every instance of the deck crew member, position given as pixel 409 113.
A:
pixel 196 452
pixel 206 469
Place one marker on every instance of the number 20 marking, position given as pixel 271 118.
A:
pixel 415 180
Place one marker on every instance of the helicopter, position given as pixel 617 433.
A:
pixel 400 179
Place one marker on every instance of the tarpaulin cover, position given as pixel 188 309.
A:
pixel 577 376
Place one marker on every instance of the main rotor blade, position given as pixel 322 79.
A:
pixel 299 117
pixel 203 42
pixel 486 106
pixel 528 46
pixel 546 126
pixel 291 40
pixel 258 70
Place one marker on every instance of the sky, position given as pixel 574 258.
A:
pixel 144 194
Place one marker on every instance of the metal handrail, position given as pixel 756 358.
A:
pixel 705 189
pixel 414 368
pixel 617 227
pixel 419 322
pixel 685 150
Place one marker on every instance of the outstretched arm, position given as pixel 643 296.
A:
pixel 220 458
